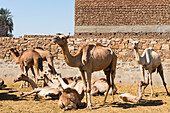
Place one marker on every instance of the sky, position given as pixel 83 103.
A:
pixel 41 17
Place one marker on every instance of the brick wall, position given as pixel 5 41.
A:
pixel 2 28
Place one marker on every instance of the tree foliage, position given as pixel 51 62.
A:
pixel 5 15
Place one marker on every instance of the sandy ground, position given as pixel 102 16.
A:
pixel 8 103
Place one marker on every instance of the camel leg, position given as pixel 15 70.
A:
pixel 113 84
pixel 147 83
pixel 107 73
pixel 22 70
pixel 32 70
pixel 89 90
pixel 150 80
pixel 85 85
pixel 26 69
pixel 142 72
pixel 30 93
pixel 163 80
pixel 51 65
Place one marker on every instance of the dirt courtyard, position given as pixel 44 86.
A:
pixel 9 103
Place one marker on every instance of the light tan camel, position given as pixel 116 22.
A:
pixel 46 56
pixel 126 97
pixel 28 59
pixel 42 92
pixel 149 61
pixel 53 82
pixel 70 98
pixel 90 58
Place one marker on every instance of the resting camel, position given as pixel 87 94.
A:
pixel 52 81
pixel 46 56
pixel 126 97
pixel 42 92
pixel 90 58
pixel 149 61
pixel 28 59
pixel 70 97
pixel 98 86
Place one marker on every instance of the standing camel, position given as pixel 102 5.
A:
pixel 46 56
pixel 28 59
pixel 149 61
pixel 90 58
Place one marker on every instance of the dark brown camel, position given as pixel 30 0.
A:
pixel 46 56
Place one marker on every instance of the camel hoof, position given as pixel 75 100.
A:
pixel 89 107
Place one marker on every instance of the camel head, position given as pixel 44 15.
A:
pixel 19 77
pixel 142 83
pixel 61 39
pixel 135 44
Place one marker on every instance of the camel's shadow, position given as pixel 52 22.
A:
pixel 7 96
pixel 132 105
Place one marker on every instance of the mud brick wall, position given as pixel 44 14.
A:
pixel 127 69
pixel 2 28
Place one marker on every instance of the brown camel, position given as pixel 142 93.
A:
pixel 98 86
pixel 28 59
pixel 46 56
pixel 90 58
pixel 149 61
pixel 42 92
pixel 70 97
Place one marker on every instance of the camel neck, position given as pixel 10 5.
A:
pixel 71 60
pixel 137 55
pixel 139 92
pixel 33 84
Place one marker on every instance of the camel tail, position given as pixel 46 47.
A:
pixel 40 64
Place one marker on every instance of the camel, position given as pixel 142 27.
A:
pixel 126 97
pixel 53 82
pixel 98 86
pixel 42 92
pixel 89 58
pixel 149 61
pixel 70 97
pixel 28 59
pixel 46 56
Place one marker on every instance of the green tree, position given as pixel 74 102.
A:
pixel 5 15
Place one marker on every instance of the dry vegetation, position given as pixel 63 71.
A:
pixel 9 103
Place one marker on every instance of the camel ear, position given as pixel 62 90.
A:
pixel 67 36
